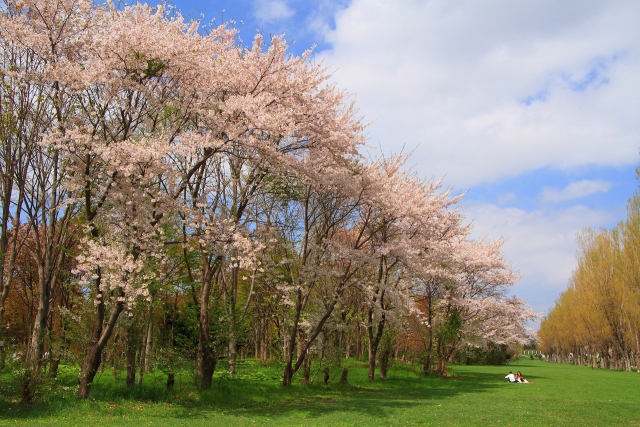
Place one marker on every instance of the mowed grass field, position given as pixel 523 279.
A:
pixel 475 395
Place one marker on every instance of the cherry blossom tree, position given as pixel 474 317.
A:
pixel 411 229
pixel 474 308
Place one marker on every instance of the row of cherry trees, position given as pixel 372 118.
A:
pixel 596 321
pixel 151 167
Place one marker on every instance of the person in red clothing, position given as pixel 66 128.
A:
pixel 520 379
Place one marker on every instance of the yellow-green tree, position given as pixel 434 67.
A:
pixel 596 321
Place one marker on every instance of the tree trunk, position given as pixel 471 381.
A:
pixel 207 368
pixel 233 352
pixel 443 368
pixel 89 369
pixel 233 347
pixel 3 353
pixel 283 339
pixel 114 358
pixel 372 362
pixel 264 335
pixel 343 377
pixel 288 374
pixel 33 359
pixel 300 349
pixel 307 368
pixel 291 343
pixel 374 342
pixel 426 367
pixel 46 281
pixel 145 356
pixel 373 347
pixel 53 368
pixel 426 364
pixel 257 332
pixel 132 347
pixel 384 362
pixel 170 381
pixel 97 342
pixel 207 359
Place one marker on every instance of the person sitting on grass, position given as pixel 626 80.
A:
pixel 511 378
pixel 520 379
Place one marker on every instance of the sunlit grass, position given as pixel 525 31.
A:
pixel 477 395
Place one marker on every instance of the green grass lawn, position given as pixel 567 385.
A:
pixel 476 395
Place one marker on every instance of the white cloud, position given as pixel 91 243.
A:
pixel 272 10
pixel 540 244
pixel 485 90
pixel 575 190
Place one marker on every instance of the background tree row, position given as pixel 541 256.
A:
pixel 596 321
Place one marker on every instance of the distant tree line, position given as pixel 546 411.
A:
pixel 596 321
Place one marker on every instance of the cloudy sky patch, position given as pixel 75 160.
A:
pixel 575 190
pixel 483 91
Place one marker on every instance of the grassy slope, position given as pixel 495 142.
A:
pixel 561 394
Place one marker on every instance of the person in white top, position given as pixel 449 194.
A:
pixel 510 377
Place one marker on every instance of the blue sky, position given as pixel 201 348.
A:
pixel 530 108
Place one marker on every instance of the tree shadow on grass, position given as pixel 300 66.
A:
pixel 375 403
pixel 258 396
pixel 378 399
